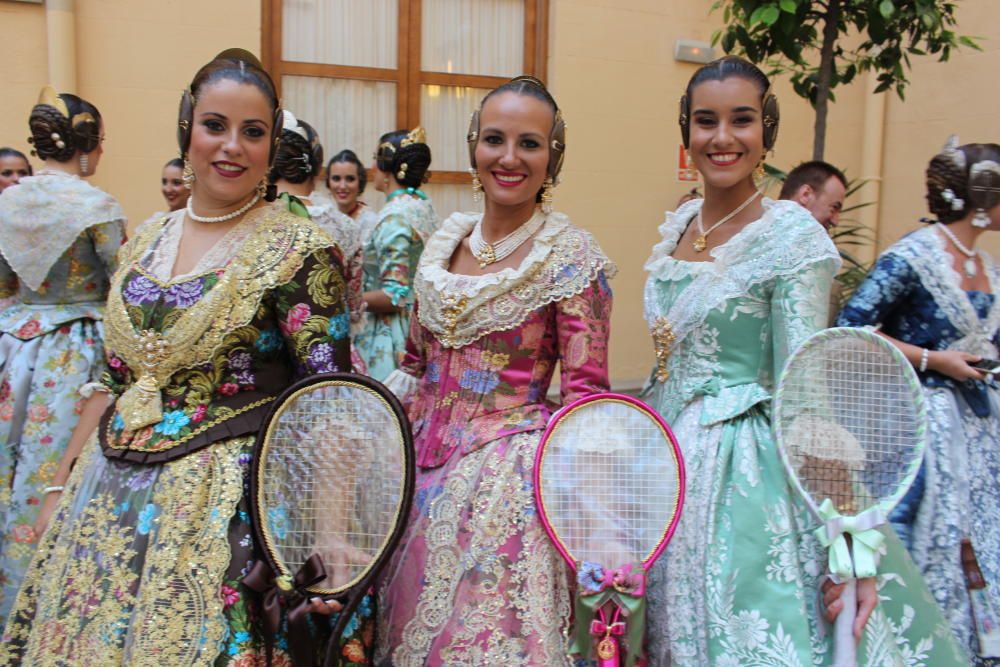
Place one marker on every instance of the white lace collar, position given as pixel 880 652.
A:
pixel 42 216
pixel 459 309
pixel 781 242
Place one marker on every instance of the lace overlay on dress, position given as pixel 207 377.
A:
pixel 511 556
pixel 419 213
pixel 42 217
pixel 459 309
pixel 84 590
pixel 778 244
pixel 925 251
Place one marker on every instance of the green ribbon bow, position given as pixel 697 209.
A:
pixel 865 540
pixel 626 589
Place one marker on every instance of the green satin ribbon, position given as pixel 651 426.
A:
pixel 633 613
pixel 865 540
pixel 416 192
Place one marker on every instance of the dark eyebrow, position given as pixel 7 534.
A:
pixel 524 135
pixel 745 109
pixel 223 117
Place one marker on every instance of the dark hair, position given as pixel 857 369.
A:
pixel 416 156
pixel 176 162
pixel 348 156
pixel 297 159
pixel 949 170
pixel 814 173
pixel 54 134
pixel 728 67
pixel 7 151
pixel 524 86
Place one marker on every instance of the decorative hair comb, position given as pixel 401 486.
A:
pixel 416 136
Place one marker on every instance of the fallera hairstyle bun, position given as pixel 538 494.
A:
pixel 962 179
pixel 62 124
pixel 406 155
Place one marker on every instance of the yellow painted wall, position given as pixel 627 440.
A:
pixel 133 59
pixel 613 72
pixel 611 68
pixel 960 96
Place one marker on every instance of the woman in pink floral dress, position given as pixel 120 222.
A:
pixel 502 298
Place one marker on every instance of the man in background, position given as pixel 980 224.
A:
pixel 819 187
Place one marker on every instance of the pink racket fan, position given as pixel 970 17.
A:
pixel 609 484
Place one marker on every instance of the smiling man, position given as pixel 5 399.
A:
pixel 819 187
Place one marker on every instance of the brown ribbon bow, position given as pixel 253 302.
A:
pixel 291 593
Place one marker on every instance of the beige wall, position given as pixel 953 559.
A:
pixel 613 72
pixel 133 59
pixel 611 67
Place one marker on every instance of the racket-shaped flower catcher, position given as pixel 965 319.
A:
pixel 609 485
pixel 850 423
pixel 331 485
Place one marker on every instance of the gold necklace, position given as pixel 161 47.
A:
pixel 702 240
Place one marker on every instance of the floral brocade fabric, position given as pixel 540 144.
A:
pixel 476 581
pixel 391 253
pixel 738 584
pixel 143 562
pixel 296 324
pixel 917 297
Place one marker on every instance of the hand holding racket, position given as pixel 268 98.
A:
pixel 850 422
pixel 609 485
pixel 331 485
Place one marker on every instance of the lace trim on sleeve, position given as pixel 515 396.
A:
pixel 784 241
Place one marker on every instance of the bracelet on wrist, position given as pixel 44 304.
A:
pixel 52 489
pixel 924 356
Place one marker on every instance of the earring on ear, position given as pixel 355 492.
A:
pixel 84 164
pixel 547 189
pixel 187 175
pixel 981 219
pixel 689 171
pixel 477 185
pixel 758 172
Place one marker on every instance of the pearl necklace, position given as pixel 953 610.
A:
pixel 702 240
pixel 221 218
pixel 488 253
pixel 969 264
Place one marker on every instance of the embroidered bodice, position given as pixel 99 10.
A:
pixel 484 348
pixel 917 297
pixel 265 305
pixel 732 322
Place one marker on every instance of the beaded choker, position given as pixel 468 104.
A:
pixel 488 253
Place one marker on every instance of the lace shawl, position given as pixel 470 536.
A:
pixel 419 213
pixel 42 216
pixel 783 241
pixel 925 251
pixel 459 309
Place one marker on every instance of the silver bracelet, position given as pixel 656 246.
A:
pixel 923 359
pixel 52 489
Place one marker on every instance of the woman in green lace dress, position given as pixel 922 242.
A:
pixel 735 285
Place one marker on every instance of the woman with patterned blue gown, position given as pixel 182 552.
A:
pixel 736 284
pixel 58 239
pixel 934 295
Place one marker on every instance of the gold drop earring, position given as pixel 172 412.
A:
pixel 547 189
pixel 477 186
pixel 187 175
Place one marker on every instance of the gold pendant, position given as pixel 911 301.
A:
pixel 700 243
pixel 141 405
pixel 606 648
pixel 487 256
